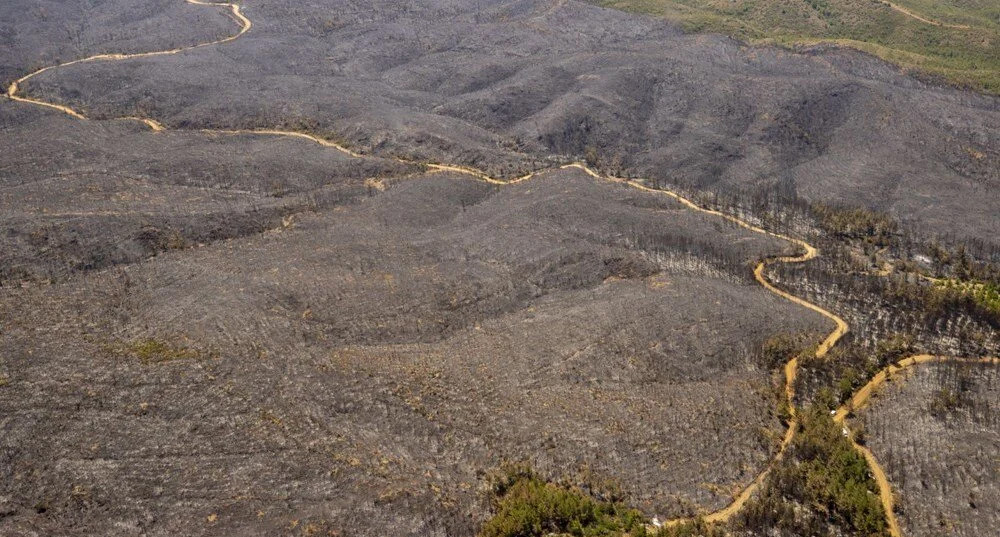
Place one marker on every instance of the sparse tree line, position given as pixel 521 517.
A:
pixel 823 486
pixel 883 305
pixel 958 383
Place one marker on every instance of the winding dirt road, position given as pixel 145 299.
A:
pixel 861 398
pixel 234 9
pixel 808 252
pixel 924 20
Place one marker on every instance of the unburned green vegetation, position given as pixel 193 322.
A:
pixel 852 366
pixel 824 474
pixel 961 281
pixel 527 506
pixel 955 40
pixel 981 301
pixel 822 487
pixel 985 295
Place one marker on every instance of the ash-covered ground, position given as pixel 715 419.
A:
pixel 39 33
pixel 937 435
pixel 80 196
pixel 205 334
pixel 365 366
pixel 504 85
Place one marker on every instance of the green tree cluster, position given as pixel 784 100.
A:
pixel 527 506
pixel 822 488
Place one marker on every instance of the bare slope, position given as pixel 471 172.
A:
pixel 38 33
pixel 507 85
pixel 361 368
pixel 936 435
pixel 377 294
pixel 88 195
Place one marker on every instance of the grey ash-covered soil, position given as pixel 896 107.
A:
pixel 39 33
pixel 504 85
pixel 206 334
pixel 89 195
pixel 363 368
pixel 941 460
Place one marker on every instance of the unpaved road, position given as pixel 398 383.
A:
pixel 809 252
pixel 863 396
pixel 932 22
